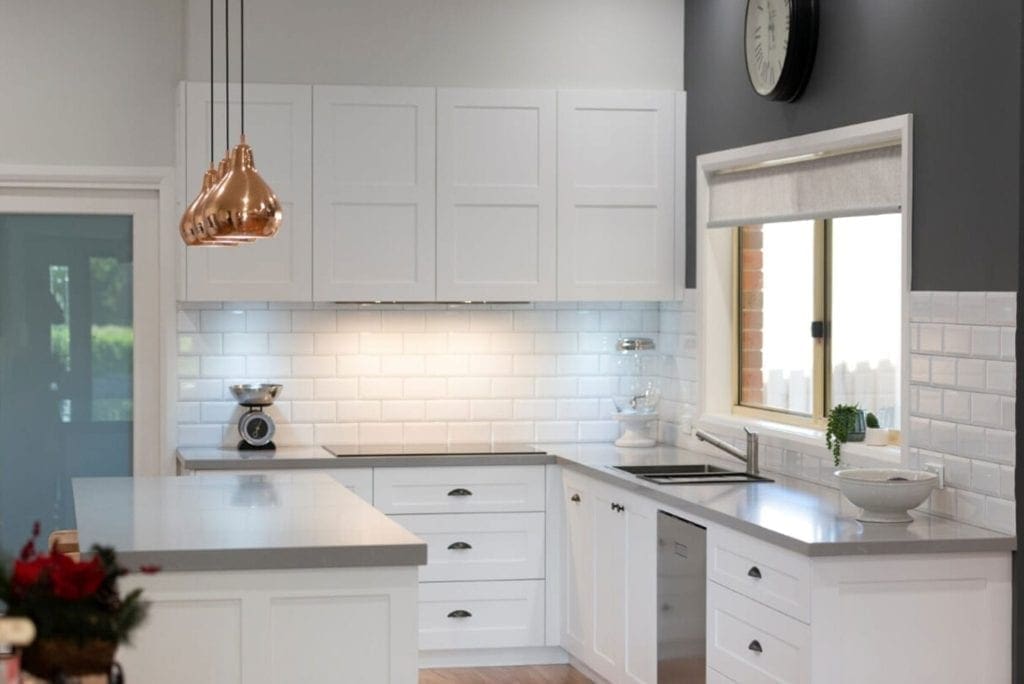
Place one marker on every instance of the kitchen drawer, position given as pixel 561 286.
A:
pixel 459 489
pixel 764 572
pixel 481 614
pixel 479 546
pixel 749 642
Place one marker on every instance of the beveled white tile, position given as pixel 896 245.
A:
pixel 337 433
pixel 245 343
pixel 223 321
pixel 402 410
pixel 425 433
pixel 490 409
pixel 313 366
pixel 314 321
pixel 469 433
pixel 491 321
pixel 290 343
pixel 268 367
pixel 358 410
pixel 268 321
pixel 222 366
pixel 338 343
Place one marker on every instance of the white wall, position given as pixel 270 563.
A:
pixel 89 82
pixel 475 43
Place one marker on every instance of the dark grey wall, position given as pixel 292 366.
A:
pixel 954 64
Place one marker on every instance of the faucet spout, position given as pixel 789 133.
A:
pixel 750 457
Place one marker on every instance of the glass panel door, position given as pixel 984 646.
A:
pixel 66 362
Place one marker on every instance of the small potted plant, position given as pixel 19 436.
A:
pixel 79 616
pixel 875 435
pixel 845 424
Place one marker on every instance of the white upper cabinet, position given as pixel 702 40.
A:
pixel 278 123
pixel 616 195
pixel 496 195
pixel 373 170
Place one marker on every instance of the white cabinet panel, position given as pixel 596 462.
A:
pixel 496 195
pixel 616 195
pixel 578 586
pixel 749 642
pixel 278 123
pixel 459 489
pixel 359 481
pixel 479 546
pixel 373 193
pixel 481 614
pixel 764 572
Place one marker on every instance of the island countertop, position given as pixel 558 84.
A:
pixel 226 521
pixel 807 517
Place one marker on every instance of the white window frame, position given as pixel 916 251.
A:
pixel 147 193
pixel 716 283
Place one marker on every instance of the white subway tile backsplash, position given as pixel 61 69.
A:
pixel 979 343
pixel 546 372
pixel 223 321
pixel 314 321
pixel 245 343
pixel 268 321
pixel 267 367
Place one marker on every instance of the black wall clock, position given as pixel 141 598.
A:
pixel 780 38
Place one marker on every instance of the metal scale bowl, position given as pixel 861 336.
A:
pixel 255 426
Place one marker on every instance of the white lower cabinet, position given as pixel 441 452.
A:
pixel 464 615
pixel 610 580
pixel 479 546
pixel 750 642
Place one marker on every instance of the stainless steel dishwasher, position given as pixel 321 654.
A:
pixel 682 552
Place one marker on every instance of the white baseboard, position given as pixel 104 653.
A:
pixel 496 657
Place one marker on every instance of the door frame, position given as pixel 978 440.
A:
pixel 156 248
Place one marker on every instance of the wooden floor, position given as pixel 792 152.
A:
pixel 529 674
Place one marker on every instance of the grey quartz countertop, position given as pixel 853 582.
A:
pixel 226 521
pixel 805 517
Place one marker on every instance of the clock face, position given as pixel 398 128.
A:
pixel 767 42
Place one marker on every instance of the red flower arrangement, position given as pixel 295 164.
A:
pixel 69 600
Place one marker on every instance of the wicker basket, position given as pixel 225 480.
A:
pixel 49 657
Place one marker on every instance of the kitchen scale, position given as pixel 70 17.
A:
pixel 256 427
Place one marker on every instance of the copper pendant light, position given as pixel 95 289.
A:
pixel 236 205
pixel 242 206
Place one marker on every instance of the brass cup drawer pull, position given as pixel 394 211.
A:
pixel 459 546
pixel 754 572
pixel 460 614
pixel 755 646
pixel 460 491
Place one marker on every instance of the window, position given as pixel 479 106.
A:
pixel 819 317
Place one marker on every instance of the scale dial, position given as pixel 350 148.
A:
pixel 256 428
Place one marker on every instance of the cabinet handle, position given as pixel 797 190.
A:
pixel 618 507
pixel 754 646
pixel 575 498
pixel 463 614
pixel 754 572
pixel 459 546
pixel 459 491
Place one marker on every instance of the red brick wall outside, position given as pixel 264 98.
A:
pixel 751 315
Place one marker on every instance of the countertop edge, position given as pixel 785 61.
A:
pixel 298 558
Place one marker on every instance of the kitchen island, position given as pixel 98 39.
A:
pixel 264 578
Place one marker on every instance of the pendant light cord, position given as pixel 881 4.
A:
pixel 211 85
pixel 227 77
pixel 241 50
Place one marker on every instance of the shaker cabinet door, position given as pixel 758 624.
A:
pixel 278 124
pixel 616 195
pixel 373 194
pixel 496 195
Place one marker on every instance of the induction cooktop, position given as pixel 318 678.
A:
pixel 356 450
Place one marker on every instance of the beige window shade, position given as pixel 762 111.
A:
pixel 856 183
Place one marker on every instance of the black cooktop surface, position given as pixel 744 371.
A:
pixel 430 449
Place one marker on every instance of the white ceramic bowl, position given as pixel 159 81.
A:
pixel 885 494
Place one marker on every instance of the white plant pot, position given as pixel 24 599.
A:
pixel 876 436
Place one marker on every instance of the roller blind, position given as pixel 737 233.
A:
pixel 855 183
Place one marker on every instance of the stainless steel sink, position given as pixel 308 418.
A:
pixel 700 473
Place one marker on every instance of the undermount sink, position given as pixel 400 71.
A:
pixel 700 473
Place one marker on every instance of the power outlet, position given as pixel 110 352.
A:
pixel 939 470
